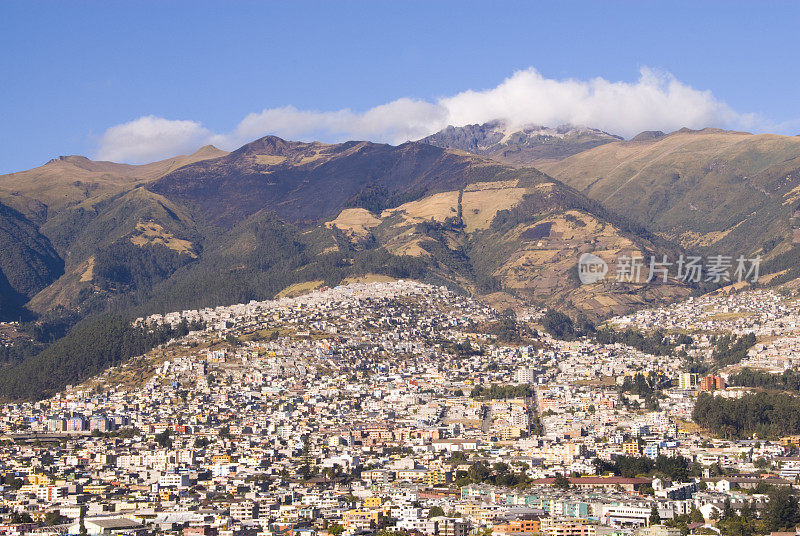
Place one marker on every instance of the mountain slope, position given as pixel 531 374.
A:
pixel 515 241
pixel 274 213
pixel 70 180
pixel 28 262
pixel 520 146
pixel 709 190
pixel 308 182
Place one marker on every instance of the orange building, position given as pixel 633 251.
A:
pixel 712 383
pixel 518 526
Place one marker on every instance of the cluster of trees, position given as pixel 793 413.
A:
pixel 781 514
pixel 786 264
pixel 20 517
pixel 125 266
pixel 11 480
pixel 561 481
pixel 375 197
pixel 163 439
pixel 462 349
pixel 561 326
pixel 501 392
pixel 36 334
pixel 19 351
pixel 88 349
pixel 498 474
pixel 730 349
pixel 642 385
pixel 677 468
pixel 508 330
pixel 788 381
pixel 307 471
pixel 783 511
pixel 761 414
pixel 655 343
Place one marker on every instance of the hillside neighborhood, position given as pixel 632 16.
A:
pixel 400 407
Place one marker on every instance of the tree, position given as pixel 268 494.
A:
pixel 82 522
pixel 336 530
pixel 163 439
pixel 561 481
pixel 52 517
pixel 435 511
pixel 655 517
pixel 458 457
pixel 782 511
pixel 20 517
pixel 727 509
pixel 696 516
pixel 748 511
pixel 558 325
pixel 478 472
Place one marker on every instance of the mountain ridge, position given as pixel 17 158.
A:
pixel 154 227
pixel 519 145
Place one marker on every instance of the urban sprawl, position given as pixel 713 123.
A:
pixel 402 408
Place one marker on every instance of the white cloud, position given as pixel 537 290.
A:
pixel 397 121
pixel 151 138
pixel 656 101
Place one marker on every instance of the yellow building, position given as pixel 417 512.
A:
pixel 96 489
pixel 373 502
pixel 221 458
pixel 630 448
pixel 510 432
pixel 362 519
pixel 39 479
pixel 436 477
pixel 786 441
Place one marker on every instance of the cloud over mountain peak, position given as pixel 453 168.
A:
pixel 655 101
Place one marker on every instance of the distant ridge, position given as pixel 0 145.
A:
pixel 520 145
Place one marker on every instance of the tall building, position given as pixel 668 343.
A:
pixel 688 380
pixel 712 383
pixel 525 375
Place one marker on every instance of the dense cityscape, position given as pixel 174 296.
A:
pixel 398 407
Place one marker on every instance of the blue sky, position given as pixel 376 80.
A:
pixel 72 71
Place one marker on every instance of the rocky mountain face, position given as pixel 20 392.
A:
pixel 309 182
pixel 520 146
